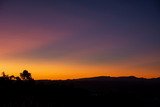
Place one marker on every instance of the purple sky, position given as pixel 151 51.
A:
pixel 83 32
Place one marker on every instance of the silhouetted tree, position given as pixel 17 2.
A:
pixel 4 76
pixel 25 75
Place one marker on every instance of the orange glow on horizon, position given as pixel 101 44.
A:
pixel 64 71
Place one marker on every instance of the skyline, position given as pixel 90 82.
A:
pixel 65 39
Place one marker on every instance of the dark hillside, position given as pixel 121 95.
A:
pixel 97 91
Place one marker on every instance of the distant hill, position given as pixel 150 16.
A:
pixel 102 91
pixel 108 78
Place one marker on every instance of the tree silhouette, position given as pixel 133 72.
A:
pixel 25 75
pixel 4 76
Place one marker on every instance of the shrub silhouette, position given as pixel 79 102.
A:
pixel 11 77
pixel 25 75
pixel 17 78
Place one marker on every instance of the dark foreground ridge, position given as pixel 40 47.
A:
pixel 86 92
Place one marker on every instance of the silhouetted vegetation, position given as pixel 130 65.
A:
pixel 101 91
pixel 25 75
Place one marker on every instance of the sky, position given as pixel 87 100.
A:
pixel 66 39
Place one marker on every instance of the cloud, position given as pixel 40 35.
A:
pixel 22 40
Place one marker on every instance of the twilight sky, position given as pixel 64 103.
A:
pixel 61 39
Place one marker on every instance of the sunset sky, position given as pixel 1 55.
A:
pixel 65 39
